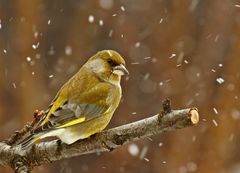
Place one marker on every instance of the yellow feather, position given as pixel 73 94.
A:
pixel 73 122
pixel 58 103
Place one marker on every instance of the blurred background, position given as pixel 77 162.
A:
pixel 188 51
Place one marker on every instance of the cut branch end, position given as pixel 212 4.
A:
pixel 194 116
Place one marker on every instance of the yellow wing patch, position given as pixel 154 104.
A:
pixel 73 122
pixel 58 103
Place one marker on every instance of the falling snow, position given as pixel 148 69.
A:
pixel 166 57
pixel 14 85
pixel 122 8
pixel 28 59
pixel 148 57
pixel 133 149
pixel 137 44
pixel 173 55
pixel 161 20
pixel 35 34
pixel 146 159
pixel 35 46
pixel 215 122
pixel 135 63
pixel 101 22
pixel 68 50
pixel 50 76
pixel 110 33
pixel 220 80
pixel 215 110
pixel 91 19
pixel 143 152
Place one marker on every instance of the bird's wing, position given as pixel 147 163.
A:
pixel 70 114
pixel 56 103
pixel 64 113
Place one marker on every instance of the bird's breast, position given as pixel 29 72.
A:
pixel 114 97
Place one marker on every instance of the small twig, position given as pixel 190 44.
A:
pixel 18 135
pixel 166 106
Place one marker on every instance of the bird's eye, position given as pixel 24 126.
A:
pixel 112 63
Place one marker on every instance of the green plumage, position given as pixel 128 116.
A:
pixel 85 104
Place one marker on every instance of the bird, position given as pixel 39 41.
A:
pixel 85 104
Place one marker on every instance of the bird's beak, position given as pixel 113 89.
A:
pixel 120 70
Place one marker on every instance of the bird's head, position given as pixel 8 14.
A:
pixel 108 65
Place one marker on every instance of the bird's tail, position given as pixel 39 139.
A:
pixel 29 141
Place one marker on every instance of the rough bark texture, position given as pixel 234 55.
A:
pixel 45 152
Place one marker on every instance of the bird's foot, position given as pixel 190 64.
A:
pixel 107 146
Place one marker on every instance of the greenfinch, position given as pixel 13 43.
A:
pixel 85 104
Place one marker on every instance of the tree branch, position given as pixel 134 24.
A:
pixel 45 152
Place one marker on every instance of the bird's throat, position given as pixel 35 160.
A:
pixel 114 79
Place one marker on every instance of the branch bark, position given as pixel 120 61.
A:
pixel 45 152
